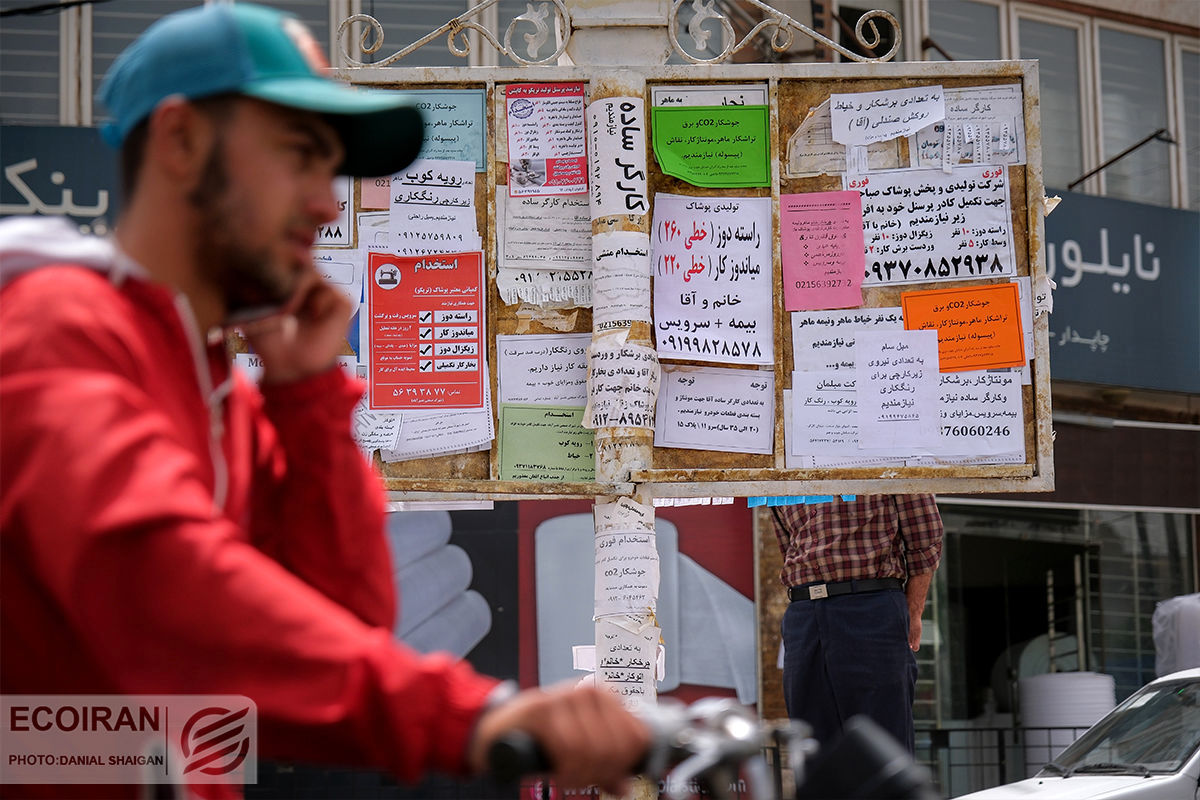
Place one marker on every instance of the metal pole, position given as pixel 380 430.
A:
pixel 624 33
pixel 1080 638
pixel 1050 631
pixel 622 449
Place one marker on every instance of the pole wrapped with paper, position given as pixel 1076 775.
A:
pixel 623 376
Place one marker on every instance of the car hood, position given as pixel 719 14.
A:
pixel 1078 787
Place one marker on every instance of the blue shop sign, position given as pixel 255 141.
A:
pixel 1127 306
pixel 59 171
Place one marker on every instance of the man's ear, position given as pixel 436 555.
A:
pixel 179 139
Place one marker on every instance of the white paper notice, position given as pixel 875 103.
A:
pixel 622 386
pixel 550 232
pixel 625 662
pixel 620 279
pixel 897 380
pixel 433 208
pixel 375 430
pixel 540 287
pixel 341 269
pixel 713 279
pixel 546 139
pixel 824 340
pixel 794 461
pixel 922 225
pixel 545 287
pixel 617 134
pixel 251 365
pixel 824 414
pixel 1043 300
pixel 967 461
pixel 339 232
pixel 745 94
pixel 583 657
pixel 981 414
pixel 709 408
pixel 543 369
pixel 373 235
pixel 839 462
pixel 866 117
pixel 812 151
pixel 790 461
pixel 626 573
pixel 626 514
pixel 427 433
pixel 983 125
pixel 444 432
pixel 1028 302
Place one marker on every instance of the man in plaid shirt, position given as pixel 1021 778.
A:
pixel 857 573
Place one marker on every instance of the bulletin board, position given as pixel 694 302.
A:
pixel 949 219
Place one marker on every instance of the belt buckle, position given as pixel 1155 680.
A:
pixel 817 592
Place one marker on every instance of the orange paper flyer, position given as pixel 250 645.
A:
pixel 978 327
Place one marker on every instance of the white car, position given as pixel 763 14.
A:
pixel 1147 748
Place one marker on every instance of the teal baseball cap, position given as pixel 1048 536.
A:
pixel 252 50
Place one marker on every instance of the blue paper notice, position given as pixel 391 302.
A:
pixel 794 500
pixel 454 124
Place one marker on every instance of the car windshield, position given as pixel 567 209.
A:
pixel 1154 731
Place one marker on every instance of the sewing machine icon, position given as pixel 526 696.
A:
pixel 387 276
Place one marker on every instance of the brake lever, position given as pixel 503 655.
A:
pixel 709 742
pixel 723 739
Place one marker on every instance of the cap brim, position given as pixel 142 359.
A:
pixel 381 131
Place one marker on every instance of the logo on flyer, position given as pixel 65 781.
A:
pixel 387 276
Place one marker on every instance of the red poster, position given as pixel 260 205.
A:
pixel 426 328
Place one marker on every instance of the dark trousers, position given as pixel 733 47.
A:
pixel 849 655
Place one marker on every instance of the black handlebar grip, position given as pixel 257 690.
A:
pixel 517 754
pixel 514 755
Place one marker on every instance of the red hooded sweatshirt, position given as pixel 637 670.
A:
pixel 167 528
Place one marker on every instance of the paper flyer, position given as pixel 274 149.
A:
pixel 546 139
pixel 425 328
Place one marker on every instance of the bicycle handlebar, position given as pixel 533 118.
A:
pixel 713 739
pixel 515 755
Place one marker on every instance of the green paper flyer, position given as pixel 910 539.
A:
pixel 714 146
pixel 545 443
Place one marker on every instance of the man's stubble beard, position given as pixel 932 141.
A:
pixel 242 274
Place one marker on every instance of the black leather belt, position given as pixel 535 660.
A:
pixel 817 591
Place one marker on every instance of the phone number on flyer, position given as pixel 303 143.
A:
pixel 976 430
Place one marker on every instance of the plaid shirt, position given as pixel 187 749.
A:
pixel 871 536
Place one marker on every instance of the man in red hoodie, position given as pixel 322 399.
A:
pixel 169 528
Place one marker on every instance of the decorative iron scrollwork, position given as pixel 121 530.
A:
pixel 537 14
pixel 779 27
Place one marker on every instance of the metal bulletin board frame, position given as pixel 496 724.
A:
pixel 793 90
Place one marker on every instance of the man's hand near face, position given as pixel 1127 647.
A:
pixel 306 337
